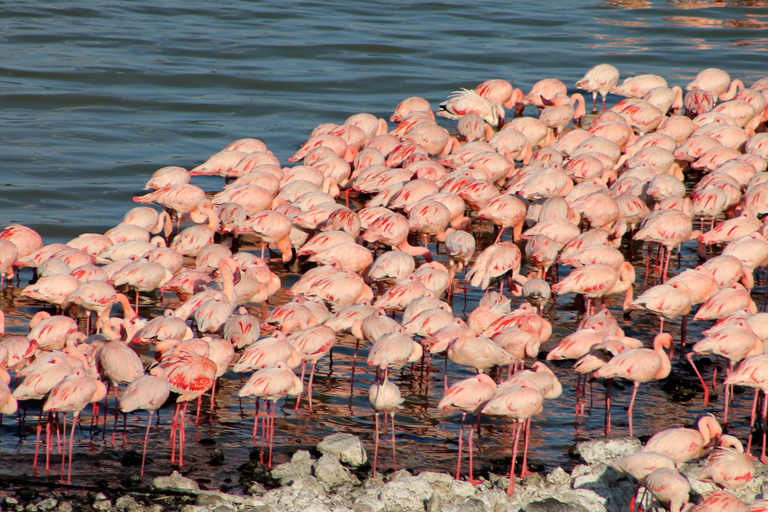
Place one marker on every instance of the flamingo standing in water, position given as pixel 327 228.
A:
pixel 639 365
pixel 519 403
pixel 600 79
pixel 190 375
pixel 384 396
pixel 270 384
pixel 148 393
pixel 469 395
pixel 72 394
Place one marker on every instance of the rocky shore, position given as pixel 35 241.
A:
pixel 339 481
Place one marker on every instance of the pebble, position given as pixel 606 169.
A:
pixel 175 481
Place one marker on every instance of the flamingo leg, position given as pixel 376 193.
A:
pixel 471 462
pixel 174 427
pixel 608 386
pixel 271 433
pixel 309 387
pixel 354 362
pixel 524 470
pixel 298 398
pixel 394 447
pixel 631 404
pixel 146 438
pixel 75 417
pixel 64 453
pixel 752 422
pixel 376 445
pixel 182 434
pixel 37 442
pixel 765 417
pixel 461 440
pixel 511 486
pixel 701 379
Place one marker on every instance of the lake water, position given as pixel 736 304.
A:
pixel 96 97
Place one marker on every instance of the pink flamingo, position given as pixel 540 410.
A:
pixel 600 79
pixel 732 342
pixel 723 501
pixel 148 393
pixel 558 115
pixel 477 351
pixel 717 82
pixel 271 384
pixel 384 396
pixel 26 240
pixel 312 344
pixel 668 486
pixel 639 365
pixel 670 229
pixel 753 372
pixel 190 375
pixel 273 228
pixel 179 198
pixel 545 89
pixel 72 394
pixel 505 211
pixel 408 105
pixel 592 281
pixel 166 176
pixel 638 86
pixel 392 229
pixel 469 395
pixel 494 262
pixel 466 101
pixel 99 297
pixel 120 365
pixel 684 444
pixel 727 466
pixel 502 92
pixel 519 403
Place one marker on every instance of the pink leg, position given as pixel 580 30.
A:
pixel 631 404
pixel 471 462
pixel 174 427
pixel 354 362
pixel 146 438
pixel 64 452
pixel 182 434
pixel 48 441
pixel 376 445
pixel 498 237
pixel 71 442
pixel 213 397
pixel 309 387
pixel 701 379
pixel 752 424
pixel 524 470
pixel 765 417
pixel 608 386
pixel 264 432
pixel 298 398
pixel 511 487
pixel 199 405
pixel 37 443
pixel 271 433
pixel 394 448
pixel 461 441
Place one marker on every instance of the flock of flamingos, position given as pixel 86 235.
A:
pixel 570 197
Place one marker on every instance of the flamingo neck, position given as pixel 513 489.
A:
pixel 415 251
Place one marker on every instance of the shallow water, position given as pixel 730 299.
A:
pixel 96 99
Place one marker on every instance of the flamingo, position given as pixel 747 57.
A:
pixel 148 393
pixel 684 444
pixel 72 394
pixel 668 301
pixel 190 375
pixel 312 344
pixel 271 384
pixel 753 372
pixel 727 465
pixel 717 82
pixel 600 79
pixel 384 396
pixel 468 395
pixel 466 101
pixel 668 486
pixel 519 403
pixel 639 365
